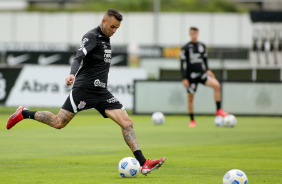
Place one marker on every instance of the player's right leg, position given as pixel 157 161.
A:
pixel 122 119
pixel 191 109
pixel 57 121
pixel 213 83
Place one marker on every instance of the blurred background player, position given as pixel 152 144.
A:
pixel 90 89
pixel 194 55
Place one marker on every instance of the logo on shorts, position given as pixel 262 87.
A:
pixel 112 100
pixel 195 75
pixel 81 105
pixel 97 83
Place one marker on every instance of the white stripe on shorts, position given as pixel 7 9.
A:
pixel 72 103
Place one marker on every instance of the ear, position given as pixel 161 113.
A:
pixel 103 20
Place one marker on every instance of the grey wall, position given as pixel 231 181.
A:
pixel 216 29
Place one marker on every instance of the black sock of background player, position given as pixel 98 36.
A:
pixel 218 105
pixel 139 156
pixel 28 114
pixel 191 116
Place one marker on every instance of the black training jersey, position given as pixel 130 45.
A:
pixel 194 55
pixel 95 54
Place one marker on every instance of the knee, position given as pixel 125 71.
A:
pixel 59 126
pixel 217 86
pixel 127 123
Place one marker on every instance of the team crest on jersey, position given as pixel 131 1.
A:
pixel 81 105
pixel 201 48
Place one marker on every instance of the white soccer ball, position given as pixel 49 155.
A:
pixel 128 167
pixel 218 120
pixel 235 176
pixel 229 120
pixel 158 118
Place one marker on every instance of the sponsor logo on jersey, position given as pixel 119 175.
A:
pixel 104 45
pixel 107 56
pixel 195 57
pixel 81 105
pixel 97 83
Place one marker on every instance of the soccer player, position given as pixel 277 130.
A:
pixel 90 89
pixel 194 55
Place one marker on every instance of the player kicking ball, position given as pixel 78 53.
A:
pixel 194 55
pixel 90 89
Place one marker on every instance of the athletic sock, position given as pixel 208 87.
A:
pixel 28 114
pixel 218 105
pixel 191 116
pixel 139 156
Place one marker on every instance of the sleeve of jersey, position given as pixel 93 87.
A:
pixel 205 58
pixel 87 44
pixel 182 61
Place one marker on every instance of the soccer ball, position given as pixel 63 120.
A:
pixel 158 118
pixel 229 120
pixel 235 176
pixel 128 167
pixel 218 120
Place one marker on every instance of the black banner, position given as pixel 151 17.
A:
pixel 266 16
pixel 53 58
pixel 8 77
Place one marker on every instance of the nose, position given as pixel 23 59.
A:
pixel 114 30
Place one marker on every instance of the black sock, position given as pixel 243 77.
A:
pixel 28 114
pixel 139 156
pixel 218 105
pixel 191 116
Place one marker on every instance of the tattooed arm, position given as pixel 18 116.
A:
pixel 57 121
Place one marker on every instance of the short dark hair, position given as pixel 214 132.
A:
pixel 115 13
pixel 194 29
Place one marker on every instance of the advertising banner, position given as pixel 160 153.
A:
pixel 44 86
pixel 170 97
pixel 15 58
pixel 239 98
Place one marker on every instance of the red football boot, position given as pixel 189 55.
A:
pixel 220 112
pixel 151 165
pixel 15 118
pixel 192 123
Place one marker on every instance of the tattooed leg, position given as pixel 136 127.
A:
pixel 130 138
pixel 57 121
pixel 122 119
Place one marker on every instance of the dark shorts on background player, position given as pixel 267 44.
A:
pixel 79 100
pixel 194 79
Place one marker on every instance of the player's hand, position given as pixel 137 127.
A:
pixel 185 82
pixel 70 79
pixel 209 73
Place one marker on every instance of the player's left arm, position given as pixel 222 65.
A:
pixel 205 58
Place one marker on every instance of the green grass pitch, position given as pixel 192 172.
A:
pixel 89 148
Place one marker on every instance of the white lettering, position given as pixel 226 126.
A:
pixel 40 87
